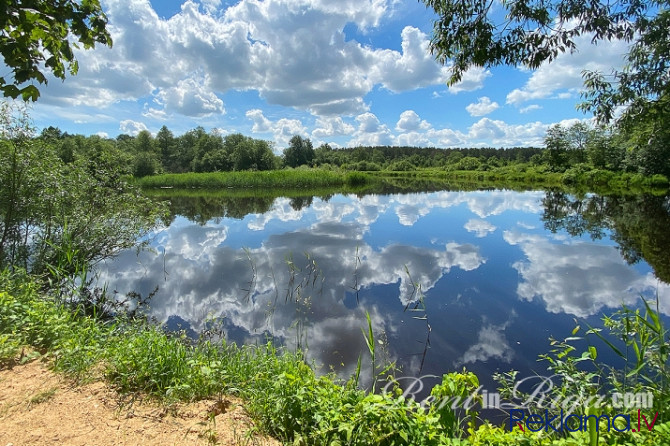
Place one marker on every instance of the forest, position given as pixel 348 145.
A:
pixel 571 150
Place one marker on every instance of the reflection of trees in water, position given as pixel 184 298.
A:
pixel 640 224
pixel 201 208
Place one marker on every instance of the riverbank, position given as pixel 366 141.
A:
pixel 39 406
pixel 512 177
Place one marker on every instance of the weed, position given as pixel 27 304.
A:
pixel 42 397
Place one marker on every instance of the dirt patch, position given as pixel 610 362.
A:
pixel 39 407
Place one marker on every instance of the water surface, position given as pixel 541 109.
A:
pixel 450 279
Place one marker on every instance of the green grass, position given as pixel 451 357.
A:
pixel 294 182
pixel 299 178
pixel 524 177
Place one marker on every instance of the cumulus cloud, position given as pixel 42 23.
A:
pixel 597 275
pixel 472 80
pixel 371 132
pixel 327 127
pixel 413 68
pixel 131 127
pixel 282 130
pixel 482 107
pixel 190 98
pixel 491 344
pixel 294 53
pixel 565 72
pixel 502 134
pixel 409 121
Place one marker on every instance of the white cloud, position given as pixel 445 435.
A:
pixel 371 132
pixel 191 98
pixel 472 80
pixel 499 133
pixel 413 68
pixel 294 53
pixel 131 127
pixel 211 6
pixel 409 121
pixel 491 344
pixel 154 113
pixel 261 123
pixel 282 130
pixel 599 277
pixel 414 139
pixel 530 108
pixel 565 72
pixel 482 107
pixel 331 126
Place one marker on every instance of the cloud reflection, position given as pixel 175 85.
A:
pixel 491 344
pixel 298 280
pixel 481 228
pixel 576 277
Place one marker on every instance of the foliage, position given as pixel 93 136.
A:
pixel 299 152
pixel 458 386
pixel 48 207
pixel 266 179
pixel 40 34
pixel 532 32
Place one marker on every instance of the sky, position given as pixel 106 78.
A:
pixel 345 72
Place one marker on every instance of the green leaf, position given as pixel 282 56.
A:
pixel 30 92
pixel 609 344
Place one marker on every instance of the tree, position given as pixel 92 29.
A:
pixel 557 143
pixel 144 142
pixel 532 32
pixel 299 152
pixel 167 146
pixel 65 217
pixel 41 34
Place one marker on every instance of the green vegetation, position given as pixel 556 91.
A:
pixel 288 400
pixel 51 211
pixel 288 179
pixel 631 104
pixel 41 34
pixel 576 156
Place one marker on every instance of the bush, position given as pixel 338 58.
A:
pixel 598 177
pixel 401 166
pixel 659 180
pixel 356 179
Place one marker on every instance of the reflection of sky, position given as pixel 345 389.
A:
pixel 577 277
pixel 492 284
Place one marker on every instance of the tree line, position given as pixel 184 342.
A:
pixel 574 149
pixel 200 151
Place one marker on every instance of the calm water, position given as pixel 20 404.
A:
pixel 450 279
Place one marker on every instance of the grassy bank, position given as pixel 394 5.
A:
pixel 517 177
pixel 284 395
pixel 299 178
pixel 521 176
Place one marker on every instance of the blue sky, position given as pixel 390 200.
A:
pixel 344 72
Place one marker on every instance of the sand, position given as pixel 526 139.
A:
pixel 40 407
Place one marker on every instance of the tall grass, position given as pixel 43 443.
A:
pixel 264 179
